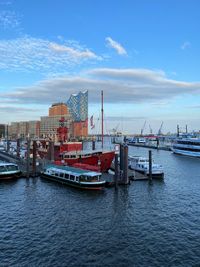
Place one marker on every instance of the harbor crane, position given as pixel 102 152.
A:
pixel 150 129
pixel 160 129
pixel 142 130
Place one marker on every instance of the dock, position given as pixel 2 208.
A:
pixel 166 148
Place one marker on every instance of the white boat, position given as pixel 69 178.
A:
pixel 141 164
pixel 75 177
pixel 9 171
pixel 187 146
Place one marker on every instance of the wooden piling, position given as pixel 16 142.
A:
pixel 93 144
pixel 150 165
pixel 121 156
pixel 18 148
pixel 28 158
pixel 125 165
pixel 116 170
pixel 34 157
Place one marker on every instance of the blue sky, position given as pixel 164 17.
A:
pixel 143 54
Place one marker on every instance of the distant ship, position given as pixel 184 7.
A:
pixel 188 146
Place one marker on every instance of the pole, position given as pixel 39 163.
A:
pixel 121 156
pixel 7 141
pixel 18 148
pixel 125 165
pixel 102 118
pixel 177 130
pixel 150 165
pixel 116 170
pixel 34 157
pixel 28 158
pixel 186 129
pixel 93 144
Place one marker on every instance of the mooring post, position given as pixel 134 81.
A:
pixel 116 170
pixel 34 157
pixel 125 165
pixel 18 148
pixel 93 144
pixel 51 151
pixel 157 142
pixel 28 158
pixel 121 156
pixel 150 165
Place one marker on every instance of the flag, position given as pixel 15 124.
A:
pixel 92 122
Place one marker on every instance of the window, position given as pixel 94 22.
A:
pixel 66 175
pixel 72 177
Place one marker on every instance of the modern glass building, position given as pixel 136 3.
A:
pixel 78 105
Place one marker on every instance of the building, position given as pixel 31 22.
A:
pixel 78 107
pixel 23 129
pixel 50 124
pixel 34 129
pixel 58 109
pixel 2 130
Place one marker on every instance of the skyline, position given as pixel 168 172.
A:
pixel 142 54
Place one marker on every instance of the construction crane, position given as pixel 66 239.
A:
pixel 142 130
pixel 150 129
pixel 160 129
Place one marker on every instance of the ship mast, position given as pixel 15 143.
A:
pixel 102 118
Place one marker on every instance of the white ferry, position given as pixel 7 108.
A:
pixel 187 147
pixel 75 177
pixel 141 165
pixel 9 171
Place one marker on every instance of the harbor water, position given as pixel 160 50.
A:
pixel 44 223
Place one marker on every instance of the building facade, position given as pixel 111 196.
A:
pixel 50 124
pixel 2 130
pixel 58 109
pixel 78 106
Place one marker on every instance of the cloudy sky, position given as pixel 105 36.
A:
pixel 144 55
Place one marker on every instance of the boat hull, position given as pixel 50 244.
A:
pixel 186 153
pixel 84 186
pixel 158 175
pixel 10 176
pixel 105 159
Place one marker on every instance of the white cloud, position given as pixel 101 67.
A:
pixel 117 46
pixel 34 54
pixel 119 86
pixel 185 45
pixel 9 20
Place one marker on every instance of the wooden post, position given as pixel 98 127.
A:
pixel 28 158
pixel 7 140
pixel 51 150
pixel 125 165
pixel 116 170
pixel 34 157
pixel 121 156
pixel 93 144
pixel 150 165
pixel 18 148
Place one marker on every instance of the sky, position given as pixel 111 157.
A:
pixel 143 54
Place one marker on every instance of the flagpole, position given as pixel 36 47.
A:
pixel 102 118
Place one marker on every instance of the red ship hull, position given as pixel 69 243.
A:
pixel 101 160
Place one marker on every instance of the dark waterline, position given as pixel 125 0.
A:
pixel 46 224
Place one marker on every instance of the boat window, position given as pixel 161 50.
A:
pixel 2 169
pixel 11 167
pixel 72 177
pixel 56 174
pixel 61 174
pixel 66 175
